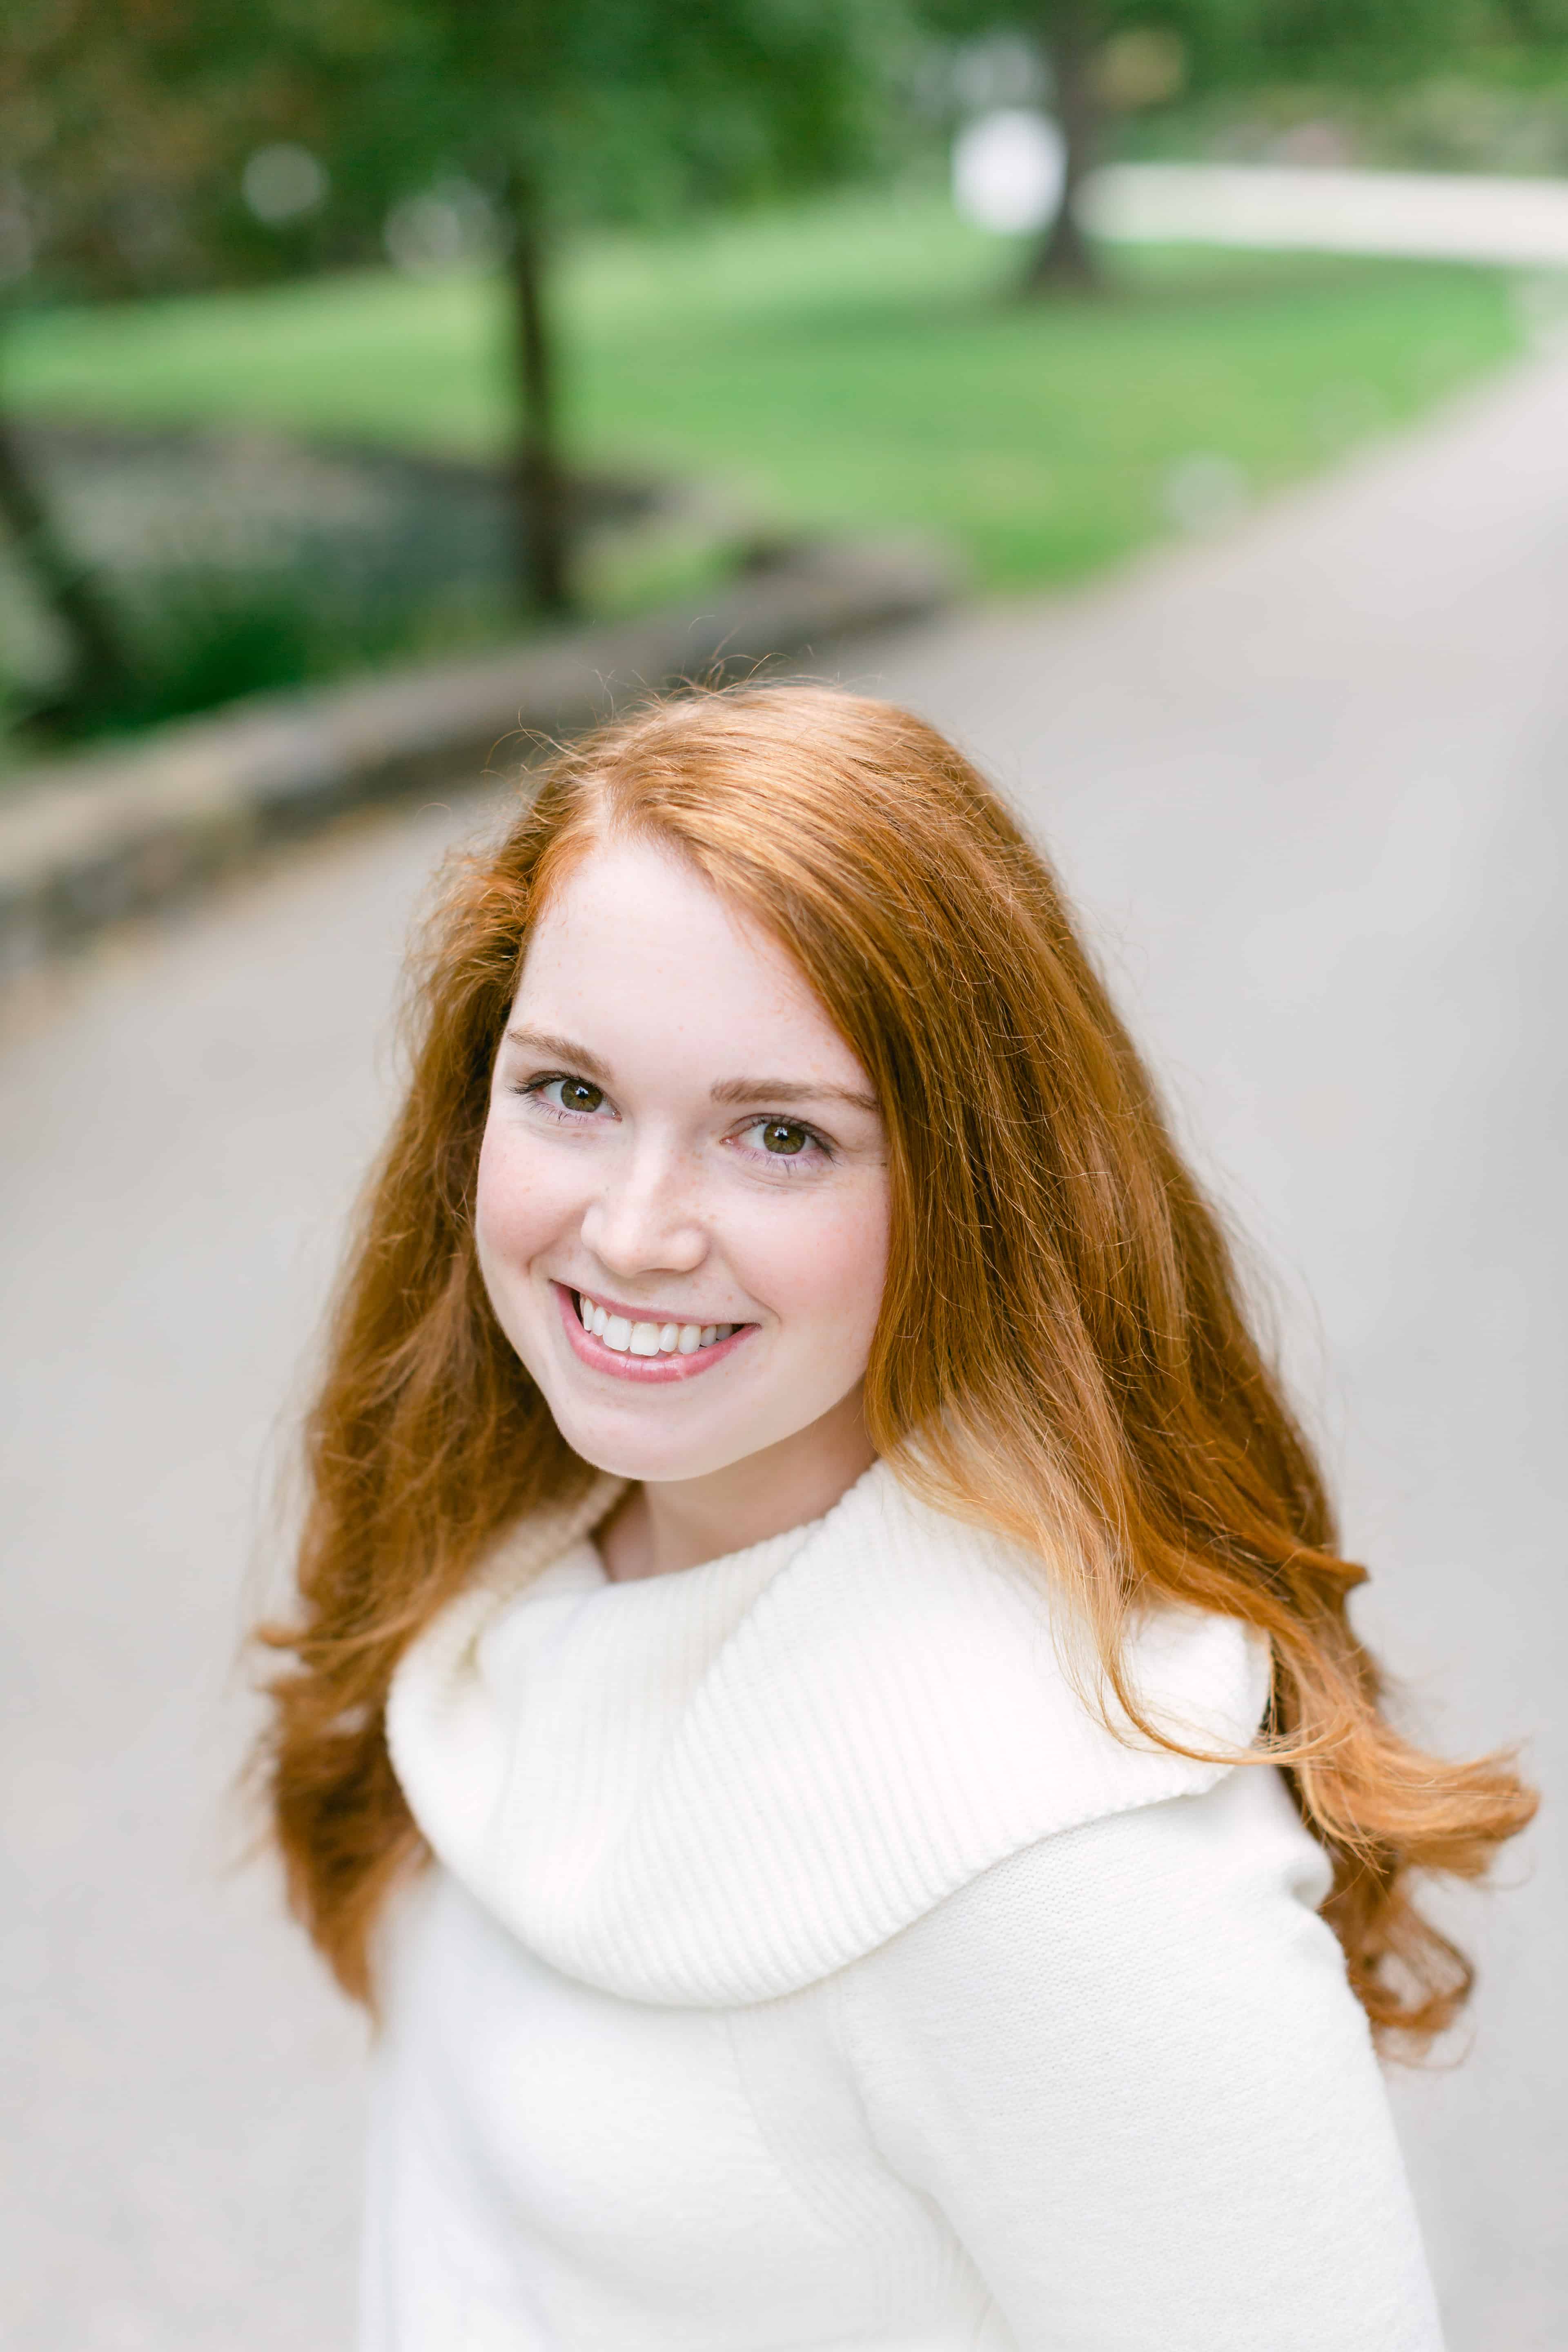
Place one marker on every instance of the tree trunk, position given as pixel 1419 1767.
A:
pixel 539 482
pixel 1064 261
pixel 99 668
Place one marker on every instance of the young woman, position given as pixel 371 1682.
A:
pixel 823 1715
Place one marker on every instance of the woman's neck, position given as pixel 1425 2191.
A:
pixel 666 1525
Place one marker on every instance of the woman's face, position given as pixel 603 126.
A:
pixel 682 1205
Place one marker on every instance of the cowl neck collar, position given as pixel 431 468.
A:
pixel 721 1784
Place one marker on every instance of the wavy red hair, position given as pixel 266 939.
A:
pixel 1063 1353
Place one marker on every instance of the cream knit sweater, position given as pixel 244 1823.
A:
pixel 804 1965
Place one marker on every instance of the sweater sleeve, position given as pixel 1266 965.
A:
pixel 1127 2067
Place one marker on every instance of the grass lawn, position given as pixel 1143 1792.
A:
pixel 856 362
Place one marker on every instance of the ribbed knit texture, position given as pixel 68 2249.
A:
pixel 719 1786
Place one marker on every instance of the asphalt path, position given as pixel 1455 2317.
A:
pixel 1305 782
pixel 1439 216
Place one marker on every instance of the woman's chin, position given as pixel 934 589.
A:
pixel 644 1456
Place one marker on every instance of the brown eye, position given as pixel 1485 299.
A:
pixel 782 1136
pixel 572 1095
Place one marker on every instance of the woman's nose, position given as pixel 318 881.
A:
pixel 645 1220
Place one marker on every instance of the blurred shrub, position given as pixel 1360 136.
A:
pixel 1455 124
pixel 240 561
pixel 206 636
pixel 1509 115
pixel 217 636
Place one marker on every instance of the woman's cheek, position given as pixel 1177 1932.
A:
pixel 824 1267
pixel 492 1195
pixel 516 1210
pixel 854 1265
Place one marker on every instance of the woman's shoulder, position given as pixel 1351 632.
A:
pixel 793 1757
pixel 935 1679
pixel 948 1622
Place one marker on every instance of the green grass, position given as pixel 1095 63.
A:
pixel 852 363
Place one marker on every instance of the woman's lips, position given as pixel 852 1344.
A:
pixel 658 1369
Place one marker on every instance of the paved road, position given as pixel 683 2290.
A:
pixel 1307 782
pixel 1438 216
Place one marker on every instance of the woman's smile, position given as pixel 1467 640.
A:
pixel 633 1343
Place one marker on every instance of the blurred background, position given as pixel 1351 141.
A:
pixel 1221 349
pixel 337 335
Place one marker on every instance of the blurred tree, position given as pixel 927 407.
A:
pixel 1101 57
pixel 1104 57
pixel 120 121
pixel 147 146
pixel 551 113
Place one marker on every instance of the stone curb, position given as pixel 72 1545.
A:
pixel 86 843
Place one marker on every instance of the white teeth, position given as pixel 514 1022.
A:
pixel 629 1339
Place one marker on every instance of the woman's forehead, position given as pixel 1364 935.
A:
pixel 637 955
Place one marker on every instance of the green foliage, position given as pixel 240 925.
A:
pixel 845 364
pixel 613 107
pixel 213 638
pixel 123 126
pixel 126 125
pixel 206 636
pixel 1493 117
pixel 1214 36
pixel 1229 42
pixel 148 136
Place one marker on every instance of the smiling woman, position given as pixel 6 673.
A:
pixel 702 1218
pixel 824 1716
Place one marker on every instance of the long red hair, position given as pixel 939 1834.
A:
pixel 1063 1353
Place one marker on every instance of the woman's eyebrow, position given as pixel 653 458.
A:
pixel 560 1049
pixel 577 1056
pixel 789 1090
